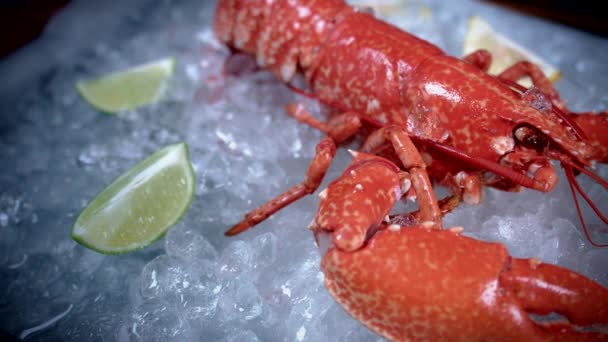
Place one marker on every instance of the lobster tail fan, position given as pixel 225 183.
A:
pixel 574 187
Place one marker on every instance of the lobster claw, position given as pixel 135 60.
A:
pixel 359 200
pixel 421 284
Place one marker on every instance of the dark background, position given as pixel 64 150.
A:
pixel 23 20
pixel 586 15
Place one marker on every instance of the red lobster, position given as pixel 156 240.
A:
pixel 435 116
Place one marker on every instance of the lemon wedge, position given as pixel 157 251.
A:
pixel 505 52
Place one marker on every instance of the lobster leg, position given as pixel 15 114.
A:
pixel 524 68
pixel 481 58
pixel 542 171
pixel 412 162
pixel 339 128
pixel 325 152
pixel 471 186
pixel 446 205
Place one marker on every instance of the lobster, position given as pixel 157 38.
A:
pixel 432 117
pixel 460 126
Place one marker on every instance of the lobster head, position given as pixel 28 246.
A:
pixel 479 115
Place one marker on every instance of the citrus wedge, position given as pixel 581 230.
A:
pixel 128 89
pixel 140 206
pixel 505 52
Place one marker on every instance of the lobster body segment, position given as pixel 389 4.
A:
pixel 279 45
pixel 366 74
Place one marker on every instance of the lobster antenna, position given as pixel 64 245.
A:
pixel 571 123
pixel 595 177
pixel 591 175
pixel 572 183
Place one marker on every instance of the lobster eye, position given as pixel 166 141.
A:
pixel 531 137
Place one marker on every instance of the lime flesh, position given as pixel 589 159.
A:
pixel 140 206
pixel 128 89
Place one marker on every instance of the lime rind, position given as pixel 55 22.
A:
pixel 118 220
pixel 128 89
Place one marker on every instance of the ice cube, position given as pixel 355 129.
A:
pixel 239 300
pixel 242 336
pixel 188 244
pixel 236 258
pixel 264 250
pixel 156 321
pixel 193 288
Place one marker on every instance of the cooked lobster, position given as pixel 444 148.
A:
pixel 432 117
pixel 457 124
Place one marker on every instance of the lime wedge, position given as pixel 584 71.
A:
pixel 128 89
pixel 505 52
pixel 140 206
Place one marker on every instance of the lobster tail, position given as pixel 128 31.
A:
pixel 283 36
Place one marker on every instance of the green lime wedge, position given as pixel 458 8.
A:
pixel 128 89
pixel 140 206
